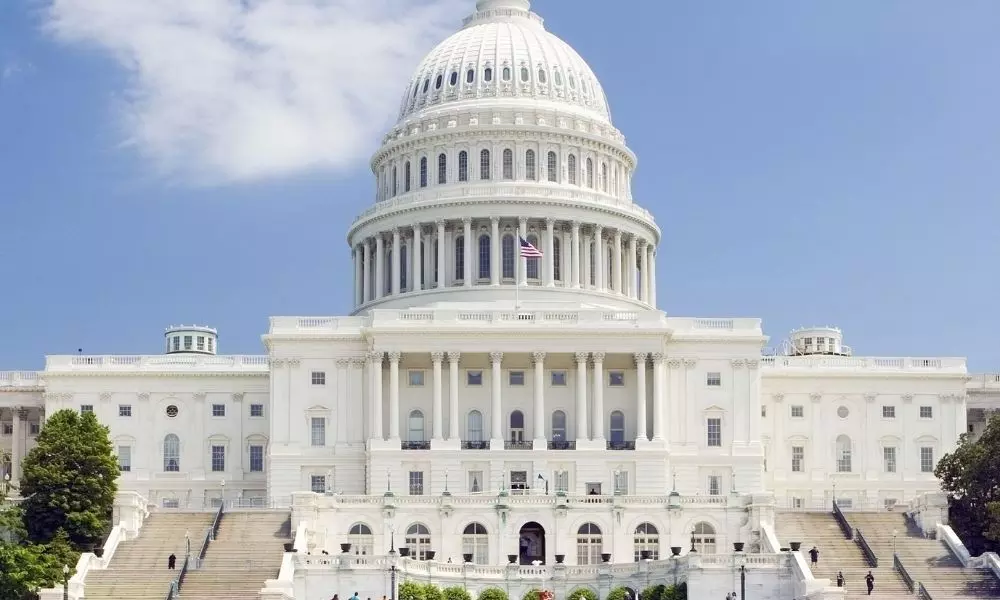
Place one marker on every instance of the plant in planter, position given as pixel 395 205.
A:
pixel 411 590
pixel 456 592
pixel 582 594
pixel 653 592
pixel 493 593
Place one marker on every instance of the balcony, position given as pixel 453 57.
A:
pixel 512 445
pixel 467 445
pixel 622 445
pixel 415 445
pixel 562 445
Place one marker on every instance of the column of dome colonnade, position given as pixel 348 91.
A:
pixel 387 264
pixel 583 425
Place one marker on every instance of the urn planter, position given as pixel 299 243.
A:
pixel 645 554
pixel 795 546
pixel 288 547
pixel 467 557
pixel 404 552
pixel 675 550
pixel 345 548
pixel 606 557
pixel 430 554
pixel 738 546
pixel 560 558
pixel 512 558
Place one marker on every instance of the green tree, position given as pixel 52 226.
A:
pixel 532 594
pixel 582 594
pixel 69 480
pixel 432 592
pixel 456 592
pixel 23 570
pixel 619 593
pixel 971 476
pixel 653 592
pixel 411 590
pixel 492 593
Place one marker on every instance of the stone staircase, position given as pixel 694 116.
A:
pixel 837 554
pixel 138 569
pixel 928 561
pixel 246 552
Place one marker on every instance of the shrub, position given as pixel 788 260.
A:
pixel 432 592
pixel 653 592
pixel 532 594
pixel 582 594
pixel 493 593
pixel 456 592
pixel 411 590
pixel 620 593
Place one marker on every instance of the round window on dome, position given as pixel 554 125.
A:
pixel 454 78
pixel 541 76
pixel 438 82
pixel 488 75
pixel 842 412
pixel 525 75
pixel 506 73
pixel 470 76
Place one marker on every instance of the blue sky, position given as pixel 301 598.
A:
pixel 809 163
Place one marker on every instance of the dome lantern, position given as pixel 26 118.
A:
pixel 191 339
pixel 491 4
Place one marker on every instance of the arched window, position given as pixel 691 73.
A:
pixel 474 425
pixel 416 89
pixel 415 426
pixel 609 266
pixel 171 453
pixel 557 77
pixel 484 164
pixel 442 168
pixel 646 538
pixel 395 181
pixel 423 172
pixel 525 75
pixel 453 80
pixel 843 454
pixel 427 84
pixel 507 246
pixel 463 166
pixel 589 543
pixel 484 256
pixel 404 255
pixel 541 76
pixel 532 263
pixel 703 538
pixel 604 176
pixel 476 541
pixel 572 81
pixel 558 426
pixel 406 177
pixel 361 539
pixel 418 540
pixel 553 167
pixel 556 257
pixel 438 82
pixel 529 165
pixel 590 173
pixel 488 75
pixel 506 73
pixel 571 161
pixel 470 76
pixel 617 426
pixel 517 426
pixel 460 258
pixel 508 164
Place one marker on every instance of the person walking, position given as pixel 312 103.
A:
pixel 171 562
pixel 840 579
pixel 814 555
pixel 355 596
pixel 870 581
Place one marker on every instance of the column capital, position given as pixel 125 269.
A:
pixel 575 225
pixel 598 229
pixel 753 364
pixel 690 363
pixel 496 357
pixel 342 363
pixel 357 362
pixel 494 221
pixel 437 356
pixel 658 357
pixel 581 357
pixel 550 223
pixel 675 363
pixel 376 356
pixel 597 357
pixel 816 398
pixel 778 397
pixel 738 363
pixel 394 231
pixel 418 227
pixel 238 397
pixel 454 357
pixel 395 356
pixel 467 221
pixel 642 243
pixel 439 222
pixel 522 221
pixel 538 357
pixel 907 398
pixel 640 358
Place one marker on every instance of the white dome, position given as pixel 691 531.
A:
pixel 503 52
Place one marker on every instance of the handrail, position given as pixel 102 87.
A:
pixel 175 584
pixel 842 520
pixel 212 532
pixel 923 593
pixel 869 553
pixel 899 568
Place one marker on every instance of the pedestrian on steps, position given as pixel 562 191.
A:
pixel 870 580
pixel 171 562
pixel 814 555
pixel 840 579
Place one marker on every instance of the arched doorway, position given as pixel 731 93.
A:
pixel 531 543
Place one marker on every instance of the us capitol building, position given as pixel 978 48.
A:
pixel 478 402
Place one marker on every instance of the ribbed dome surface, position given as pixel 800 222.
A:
pixel 504 53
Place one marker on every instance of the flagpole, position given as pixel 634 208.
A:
pixel 517 280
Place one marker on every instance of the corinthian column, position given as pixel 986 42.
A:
pixel 539 441
pixel 496 414
pixel 616 263
pixel 397 248
pixel 597 423
pixel 550 254
pixel 438 418
pixel 394 396
pixel 574 271
pixel 600 258
pixel 379 266
pixel 495 256
pixel 375 372
pixel 367 283
pixel 442 266
pixel 581 396
pixel 417 258
pixel 659 422
pixel 15 454
pixel 454 430
pixel 640 396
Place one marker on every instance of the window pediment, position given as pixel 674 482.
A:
pixel 317 410
pixel 926 439
pixel 714 410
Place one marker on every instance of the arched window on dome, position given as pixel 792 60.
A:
pixel 556 258
pixel 484 256
pixel 557 77
pixel 571 163
pixel 476 541
pixel 508 164
pixel 646 538
pixel 529 165
pixel 427 84
pixel 553 167
pixel 371 273
pixel 470 76
pixel 542 78
pixel 525 75
pixel 438 82
pixel 442 168
pixel 406 177
pixel 453 80
pixel 463 166
pixel 506 73
pixel 484 165
pixel 395 180
pixel 590 173
pixel 171 453
pixel 507 246
pixel 609 266
pixel 423 171
pixel 589 543
pixel 422 260
pixel 572 82
pixel 460 258
pixel 488 74
pixel 403 262
pixel 583 86
pixel 532 263
pixel 434 259
pixel 416 89
pixel 604 177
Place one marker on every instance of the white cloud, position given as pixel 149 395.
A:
pixel 240 90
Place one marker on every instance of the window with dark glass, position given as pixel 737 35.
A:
pixel 463 166
pixel 484 164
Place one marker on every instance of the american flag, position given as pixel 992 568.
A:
pixel 529 251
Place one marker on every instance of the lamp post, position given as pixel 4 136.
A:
pixel 894 542
pixel 65 582
pixel 542 478
pixel 392 564
pixel 223 482
pixel 187 542
pixel 743 582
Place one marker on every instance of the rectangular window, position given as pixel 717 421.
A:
pixel 558 378
pixel 318 431
pixel 616 378
pixel 713 379
pixel 188 341
pixel 170 503
pixel 8 429
pixel 926 412
pixel 621 482
pixel 317 484
pixel 416 483
pixel 763 411
pixel 515 378
pixel 518 482
pixel 218 459
pixel 416 378
pixel 256 410
pixel 889 459
pixel 124 410
pixel 35 428
pixel 474 378
pixel 475 482
pixel 177 344
pixel 798 502
pixel 218 410
pixel 561 481
pixel 714 430
pixel 319 377
pixel 86 408
pixel 256 459
pixel 201 343
pixel 798 458
pixel 211 345
pixel 124 458
pixel 714 485
pixel 926 459
pixel 798 411
pixel 888 412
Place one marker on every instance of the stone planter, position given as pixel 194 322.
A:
pixel 345 548
pixel 431 554
pixel 795 546
pixel 675 550
pixel 738 546
pixel 606 557
pixel 404 552
pixel 288 547
pixel 99 552
pixel 512 558
pixel 467 558
pixel 645 554
pixel 560 558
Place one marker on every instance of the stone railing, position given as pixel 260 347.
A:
pixel 302 500
pixel 984 381
pixel 20 379
pixel 158 363
pixel 941 365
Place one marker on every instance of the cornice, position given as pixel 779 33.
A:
pixel 166 374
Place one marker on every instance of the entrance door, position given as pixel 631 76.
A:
pixel 531 544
